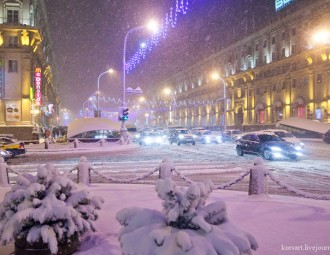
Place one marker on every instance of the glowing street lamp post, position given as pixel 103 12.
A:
pixel 110 71
pixel 216 77
pixel 167 91
pixel 152 26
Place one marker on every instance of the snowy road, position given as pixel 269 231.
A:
pixel 218 162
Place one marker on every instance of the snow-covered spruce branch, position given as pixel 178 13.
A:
pixel 118 180
pixel 10 170
pixel 235 181
pixel 297 191
pixel 70 171
pixel 185 178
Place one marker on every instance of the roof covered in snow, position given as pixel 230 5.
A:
pixel 88 124
pixel 301 123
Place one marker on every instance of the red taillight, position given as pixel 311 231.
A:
pixel 21 145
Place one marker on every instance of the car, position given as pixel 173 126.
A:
pixel 230 135
pixel 268 145
pixel 210 137
pixel 12 145
pixel 286 135
pixel 181 136
pixel 149 138
pixel 326 137
pixel 5 154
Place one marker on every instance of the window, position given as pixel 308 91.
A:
pixel 273 55
pixel 283 53
pixel 293 32
pixel 257 47
pixel 273 40
pixel 293 49
pixel 12 16
pixel 12 66
pixel 294 83
pixel 265 59
pixel 257 62
pixel 283 85
pixel 319 78
pixel 13 41
pixel 265 43
pixel 283 36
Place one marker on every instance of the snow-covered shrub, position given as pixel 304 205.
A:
pixel 47 207
pixel 186 225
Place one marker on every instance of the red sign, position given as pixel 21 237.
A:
pixel 37 85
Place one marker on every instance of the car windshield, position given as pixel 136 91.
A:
pixel 183 131
pixel 236 132
pixel 269 138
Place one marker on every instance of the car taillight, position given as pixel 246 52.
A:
pixel 21 145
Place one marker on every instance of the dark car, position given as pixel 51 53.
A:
pixel 269 146
pixel 181 136
pixel 326 137
pixel 12 145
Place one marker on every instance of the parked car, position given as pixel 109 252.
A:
pixel 149 138
pixel 210 137
pixel 12 145
pixel 181 136
pixel 266 144
pixel 5 154
pixel 230 135
pixel 286 135
pixel 326 137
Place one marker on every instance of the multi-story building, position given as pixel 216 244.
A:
pixel 279 71
pixel 28 90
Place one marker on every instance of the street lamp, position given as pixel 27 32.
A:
pixel 110 71
pixel 168 91
pixel 86 111
pixel 216 77
pixel 152 25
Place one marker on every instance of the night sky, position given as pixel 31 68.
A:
pixel 88 38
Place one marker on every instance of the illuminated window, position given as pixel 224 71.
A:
pixel 12 66
pixel 12 16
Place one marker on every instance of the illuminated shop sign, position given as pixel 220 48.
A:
pixel 37 85
pixel 280 4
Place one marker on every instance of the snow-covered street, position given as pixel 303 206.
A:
pixel 218 162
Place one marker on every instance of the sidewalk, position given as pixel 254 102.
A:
pixel 281 225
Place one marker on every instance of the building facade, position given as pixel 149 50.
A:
pixel 279 71
pixel 28 90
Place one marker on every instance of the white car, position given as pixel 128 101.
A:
pixel 286 135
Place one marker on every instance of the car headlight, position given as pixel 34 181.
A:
pixel 207 138
pixel 159 139
pixel 148 139
pixel 3 153
pixel 298 148
pixel 181 136
pixel 275 148
pixel 137 136
pixel 301 145
pixel 194 136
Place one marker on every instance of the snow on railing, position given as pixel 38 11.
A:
pixel 257 182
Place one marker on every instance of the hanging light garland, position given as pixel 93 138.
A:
pixel 169 22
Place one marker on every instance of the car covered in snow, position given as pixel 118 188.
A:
pixel 286 135
pixel 150 138
pixel 210 137
pixel 14 146
pixel 230 135
pixel 268 145
pixel 181 136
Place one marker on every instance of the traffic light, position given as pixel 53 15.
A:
pixel 123 114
